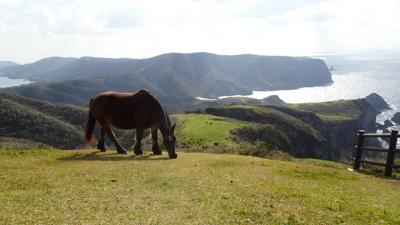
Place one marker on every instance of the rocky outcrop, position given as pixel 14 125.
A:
pixel 377 102
pixel 387 123
pixel 396 118
pixel 273 100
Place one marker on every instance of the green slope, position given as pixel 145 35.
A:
pixel 340 110
pixel 9 143
pixel 86 187
pixel 203 132
pixel 57 125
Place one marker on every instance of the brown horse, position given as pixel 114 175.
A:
pixel 138 110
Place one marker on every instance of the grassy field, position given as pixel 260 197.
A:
pixel 205 132
pixel 88 187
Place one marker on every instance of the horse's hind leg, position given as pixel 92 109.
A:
pixel 138 146
pixel 156 150
pixel 100 144
pixel 110 133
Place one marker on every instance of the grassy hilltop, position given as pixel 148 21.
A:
pixel 319 130
pixel 87 187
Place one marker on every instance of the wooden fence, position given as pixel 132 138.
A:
pixel 360 148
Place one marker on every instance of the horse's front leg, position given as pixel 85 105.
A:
pixel 156 150
pixel 138 146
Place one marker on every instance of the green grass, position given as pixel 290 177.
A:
pixel 201 131
pixel 87 187
pixel 335 111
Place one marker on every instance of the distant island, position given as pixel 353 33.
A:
pixel 176 75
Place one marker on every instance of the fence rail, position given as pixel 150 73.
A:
pixel 389 165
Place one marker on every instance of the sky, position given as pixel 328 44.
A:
pixel 31 30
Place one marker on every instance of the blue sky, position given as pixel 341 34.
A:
pixel 30 30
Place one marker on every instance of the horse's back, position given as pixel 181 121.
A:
pixel 113 97
pixel 124 110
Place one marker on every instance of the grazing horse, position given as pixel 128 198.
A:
pixel 138 110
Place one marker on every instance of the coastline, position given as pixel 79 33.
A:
pixel 353 85
pixel 6 82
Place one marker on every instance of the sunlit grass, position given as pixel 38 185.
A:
pixel 206 131
pixel 87 187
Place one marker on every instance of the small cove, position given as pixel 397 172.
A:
pixel 10 82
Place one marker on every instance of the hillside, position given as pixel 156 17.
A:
pixel 319 130
pixel 304 139
pixel 82 187
pixel 175 75
pixel 57 125
pixel 10 143
pixel 32 70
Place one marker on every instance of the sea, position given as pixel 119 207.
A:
pixel 354 76
pixel 9 82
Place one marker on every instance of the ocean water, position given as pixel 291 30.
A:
pixel 354 76
pixel 8 82
pixel 350 86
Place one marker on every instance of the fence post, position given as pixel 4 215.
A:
pixel 358 154
pixel 390 155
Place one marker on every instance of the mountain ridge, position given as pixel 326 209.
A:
pixel 4 64
pixel 177 74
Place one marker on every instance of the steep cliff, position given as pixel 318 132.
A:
pixel 319 130
pixel 339 122
pixel 304 139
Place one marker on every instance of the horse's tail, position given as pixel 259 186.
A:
pixel 89 128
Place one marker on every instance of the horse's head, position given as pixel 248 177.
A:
pixel 169 142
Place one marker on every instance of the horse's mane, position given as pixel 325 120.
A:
pixel 168 119
pixel 144 91
pixel 159 112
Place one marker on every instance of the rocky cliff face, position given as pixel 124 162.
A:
pixel 341 135
pixel 396 118
pixel 377 102
pixel 312 134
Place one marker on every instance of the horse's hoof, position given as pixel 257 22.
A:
pixel 173 156
pixel 102 150
pixel 157 153
pixel 122 152
pixel 138 153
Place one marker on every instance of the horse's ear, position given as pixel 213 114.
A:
pixel 173 128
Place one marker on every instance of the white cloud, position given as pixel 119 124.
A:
pixel 30 30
